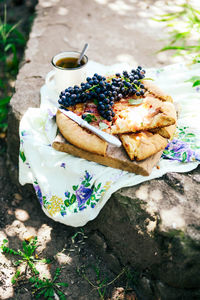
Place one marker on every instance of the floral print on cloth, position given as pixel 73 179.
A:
pixel 185 147
pixel 83 195
pixel 72 190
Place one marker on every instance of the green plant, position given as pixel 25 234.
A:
pixel 45 287
pixel 101 283
pixel 11 42
pixel 3 112
pixel 48 288
pixel 10 39
pixel 184 31
pixel 26 256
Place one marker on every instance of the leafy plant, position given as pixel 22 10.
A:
pixel 184 28
pixel 10 38
pixel 46 288
pixel 26 256
pixel 11 41
pixel 101 282
pixel 3 112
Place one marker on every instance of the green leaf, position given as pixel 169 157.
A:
pixel 24 246
pixel 51 292
pixel 67 203
pixel 73 199
pixel 63 297
pixel 3 110
pixel 75 187
pixel 90 118
pixel 32 279
pixel 47 293
pixel 22 156
pixel 5 100
pixel 135 101
pixel 193 79
pixel 41 292
pixel 98 186
pixel 184 156
pixel 190 135
pixel 103 125
pixel 62 284
pixel 95 101
pixel 196 83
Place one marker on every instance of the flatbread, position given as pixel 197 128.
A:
pixel 156 91
pixel 166 132
pixel 141 145
pixel 79 136
pixel 143 128
pixel 150 114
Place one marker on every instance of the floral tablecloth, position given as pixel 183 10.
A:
pixel 72 190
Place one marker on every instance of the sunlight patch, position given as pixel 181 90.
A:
pixel 21 215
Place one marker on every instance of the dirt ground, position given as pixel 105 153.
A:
pixel 20 218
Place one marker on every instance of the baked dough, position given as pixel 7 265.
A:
pixel 151 113
pixel 79 136
pixel 166 132
pixel 143 144
pixel 156 91
pixel 143 128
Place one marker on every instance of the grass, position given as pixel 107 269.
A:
pixel 184 31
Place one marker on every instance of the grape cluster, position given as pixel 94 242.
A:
pixel 105 91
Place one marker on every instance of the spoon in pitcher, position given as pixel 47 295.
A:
pixel 82 54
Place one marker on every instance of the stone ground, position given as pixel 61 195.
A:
pixel 129 35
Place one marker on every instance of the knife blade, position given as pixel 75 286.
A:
pixel 103 135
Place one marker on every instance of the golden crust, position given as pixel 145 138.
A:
pixel 141 145
pixel 143 128
pixel 156 91
pixel 166 132
pixel 151 114
pixel 79 136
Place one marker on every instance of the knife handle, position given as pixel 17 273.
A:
pixel 103 135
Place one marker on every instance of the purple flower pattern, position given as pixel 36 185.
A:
pixel 82 195
pixel 197 89
pixel 85 194
pixel 184 148
pixel 50 113
pixel 38 192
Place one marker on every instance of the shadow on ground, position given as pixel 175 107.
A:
pixel 21 217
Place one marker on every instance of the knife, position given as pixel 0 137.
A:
pixel 103 135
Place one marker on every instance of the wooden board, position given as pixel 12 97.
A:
pixel 115 158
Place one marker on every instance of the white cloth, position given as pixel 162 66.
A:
pixel 72 190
